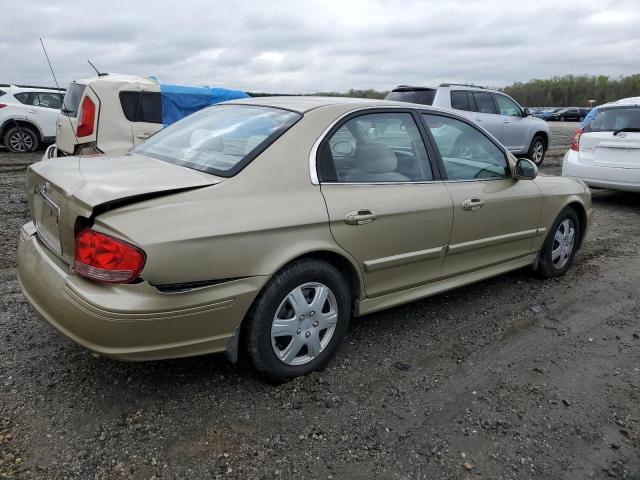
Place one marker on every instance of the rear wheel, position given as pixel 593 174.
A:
pixel 560 246
pixel 21 140
pixel 537 150
pixel 299 320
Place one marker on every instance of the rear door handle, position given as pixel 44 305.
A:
pixel 360 217
pixel 506 120
pixel 32 111
pixel 472 204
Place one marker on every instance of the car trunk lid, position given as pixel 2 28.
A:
pixel 609 150
pixel 60 190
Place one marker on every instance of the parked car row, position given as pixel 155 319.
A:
pixel 571 114
pixel 568 114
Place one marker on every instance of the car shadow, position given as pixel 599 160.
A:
pixel 615 198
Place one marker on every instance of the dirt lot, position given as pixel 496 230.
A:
pixel 511 378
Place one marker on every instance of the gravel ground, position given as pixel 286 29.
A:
pixel 510 378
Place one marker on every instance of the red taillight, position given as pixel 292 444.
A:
pixel 575 140
pixel 102 257
pixel 2 105
pixel 87 118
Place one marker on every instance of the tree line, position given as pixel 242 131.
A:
pixel 573 91
pixel 560 91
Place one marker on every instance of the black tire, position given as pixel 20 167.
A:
pixel 536 144
pixel 259 320
pixel 546 266
pixel 21 140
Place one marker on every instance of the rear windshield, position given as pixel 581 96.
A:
pixel 221 139
pixel 612 119
pixel 72 98
pixel 424 97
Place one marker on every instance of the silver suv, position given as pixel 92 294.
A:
pixel 499 114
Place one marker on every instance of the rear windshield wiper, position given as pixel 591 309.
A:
pixel 627 129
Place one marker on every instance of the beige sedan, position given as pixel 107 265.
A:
pixel 261 226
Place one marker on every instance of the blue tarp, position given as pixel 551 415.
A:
pixel 178 101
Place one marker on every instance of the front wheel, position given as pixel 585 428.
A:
pixel 21 140
pixel 560 246
pixel 537 151
pixel 299 320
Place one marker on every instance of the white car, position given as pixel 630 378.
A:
pixel 28 116
pixel 605 151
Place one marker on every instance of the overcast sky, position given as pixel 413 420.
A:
pixel 306 46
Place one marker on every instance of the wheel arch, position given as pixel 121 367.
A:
pixel 22 123
pixel 340 261
pixel 545 138
pixel 582 217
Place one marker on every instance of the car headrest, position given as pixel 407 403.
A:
pixel 376 158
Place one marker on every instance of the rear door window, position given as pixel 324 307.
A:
pixel 49 100
pixel 460 100
pixel 377 147
pixel 484 102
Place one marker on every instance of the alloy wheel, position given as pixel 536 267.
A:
pixel 21 142
pixel 304 323
pixel 538 152
pixel 563 244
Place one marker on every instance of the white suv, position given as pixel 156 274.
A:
pixel 499 114
pixel 28 116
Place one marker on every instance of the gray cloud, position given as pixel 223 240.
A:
pixel 290 46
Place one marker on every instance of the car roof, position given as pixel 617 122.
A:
pixel 18 89
pixel 117 77
pixel 623 101
pixel 452 86
pixel 302 104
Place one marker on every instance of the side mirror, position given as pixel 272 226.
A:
pixel 526 112
pixel 525 170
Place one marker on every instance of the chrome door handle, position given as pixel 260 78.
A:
pixel 360 217
pixel 472 204
pixel 506 120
